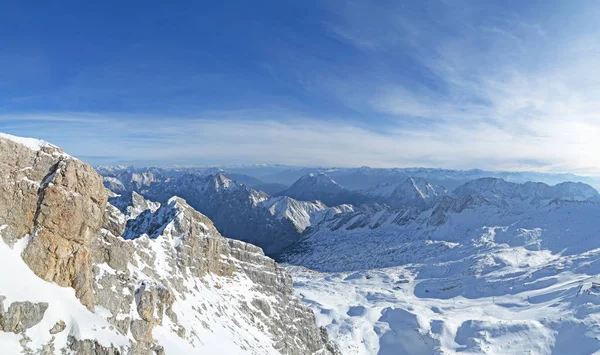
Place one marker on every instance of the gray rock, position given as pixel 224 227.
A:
pixel 21 316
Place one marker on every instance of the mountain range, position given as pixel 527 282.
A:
pixel 382 261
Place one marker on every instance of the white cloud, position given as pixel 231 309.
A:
pixel 507 88
pixel 304 141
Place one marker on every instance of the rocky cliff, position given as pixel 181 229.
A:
pixel 82 277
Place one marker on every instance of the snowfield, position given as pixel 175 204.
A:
pixel 490 280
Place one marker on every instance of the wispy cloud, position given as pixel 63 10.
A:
pixel 501 87
pixel 446 84
pixel 296 140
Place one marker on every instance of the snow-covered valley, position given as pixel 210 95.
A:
pixel 481 283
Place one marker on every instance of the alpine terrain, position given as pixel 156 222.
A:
pixel 131 262
pixel 82 277
pixel 411 267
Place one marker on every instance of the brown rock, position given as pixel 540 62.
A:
pixel 69 214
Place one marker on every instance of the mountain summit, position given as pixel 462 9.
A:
pixel 417 192
pixel 319 186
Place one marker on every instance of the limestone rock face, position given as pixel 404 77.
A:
pixel 192 250
pixel 70 212
pixel 22 171
pixel 158 279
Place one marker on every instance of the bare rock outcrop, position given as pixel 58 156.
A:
pixel 21 316
pixel 69 214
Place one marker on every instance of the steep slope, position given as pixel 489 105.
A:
pixel 175 285
pixel 302 213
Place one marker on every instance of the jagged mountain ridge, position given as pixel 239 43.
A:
pixel 239 211
pixel 506 197
pixel 496 197
pixel 176 286
pixel 353 178
pixel 367 177
pixel 413 192
pixel 128 178
pixel 493 188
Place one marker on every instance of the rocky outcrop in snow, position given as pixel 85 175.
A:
pixel 174 286
pixel 20 316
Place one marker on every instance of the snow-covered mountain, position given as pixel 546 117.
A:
pixel 237 210
pixel 367 177
pixel 128 178
pixel 497 265
pixel 475 198
pixel 495 189
pixel 413 192
pixel 81 277
pixel 321 187
pixel 276 176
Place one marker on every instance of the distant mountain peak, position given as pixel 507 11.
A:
pixel 414 191
pixel 318 179
pixel 320 186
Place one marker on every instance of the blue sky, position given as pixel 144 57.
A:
pixel 509 85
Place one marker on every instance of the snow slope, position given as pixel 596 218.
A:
pixel 31 143
pixel 18 282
